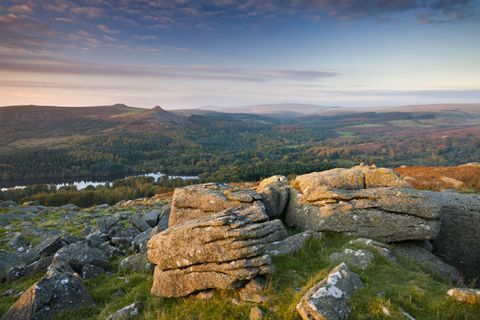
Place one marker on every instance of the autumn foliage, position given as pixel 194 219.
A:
pixel 463 178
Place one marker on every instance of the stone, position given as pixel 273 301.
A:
pixel 8 204
pixel 109 250
pixel 49 297
pixel 105 224
pixel 362 201
pixel 256 313
pixel 218 251
pixel 123 243
pixel 138 222
pixel 152 217
pixel 204 295
pixel 94 240
pixel 467 295
pixel 329 298
pixel 253 289
pixel 122 231
pixel 360 259
pixel 91 271
pixel 293 243
pixel 164 218
pixel 48 246
pixel 39 266
pixel 136 263
pixel 458 242
pixel 129 312
pixel 19 242
pixel 196 201
pixel 274 192
pixel 424 257
pixel 7 261
pixel 69 207
pixel 76 256
pixel 140 241
pixel 379 247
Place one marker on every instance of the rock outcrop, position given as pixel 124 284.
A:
pixel 196 201
pixel 220 250
pixel 274 192
pixel 329 298
pixel 53 294
pixel 363 201
pixel 458 242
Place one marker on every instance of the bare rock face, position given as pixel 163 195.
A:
pixel 363 201
pixel 329 298
pixel 193 202
pixel 50 296
pixel 458 242
pixel 222 250
pixel 274 192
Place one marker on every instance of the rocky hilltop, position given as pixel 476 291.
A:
pixel 357 243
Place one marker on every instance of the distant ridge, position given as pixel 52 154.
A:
pixel 283 109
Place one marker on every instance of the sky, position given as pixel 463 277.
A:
pixel 196 53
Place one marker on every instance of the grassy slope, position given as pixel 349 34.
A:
pixel 404 286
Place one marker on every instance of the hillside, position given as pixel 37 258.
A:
pixel 94 142
pixel 273 253
pixel 41 122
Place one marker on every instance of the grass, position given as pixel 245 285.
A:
pixel 346 134
pixel 402 286
pixel 17 286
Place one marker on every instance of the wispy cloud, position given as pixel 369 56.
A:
pixel 71 67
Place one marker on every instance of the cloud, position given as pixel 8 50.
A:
pixel 45 65
pixel 105 29
pixel 21 9
pixel 89 12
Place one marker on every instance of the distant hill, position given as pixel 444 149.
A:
pixel 31 121
pixel 281 109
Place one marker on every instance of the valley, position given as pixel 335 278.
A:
pixel 101 142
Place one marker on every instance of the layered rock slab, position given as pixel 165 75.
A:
pixel 362 201
pixel 222 250
pixel 328 299
pixel 196 201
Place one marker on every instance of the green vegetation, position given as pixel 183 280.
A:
pixel 403 286
pixel 121 189
pixel 234 147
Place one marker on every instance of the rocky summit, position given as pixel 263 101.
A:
pixel 362 201
pixel 355 243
